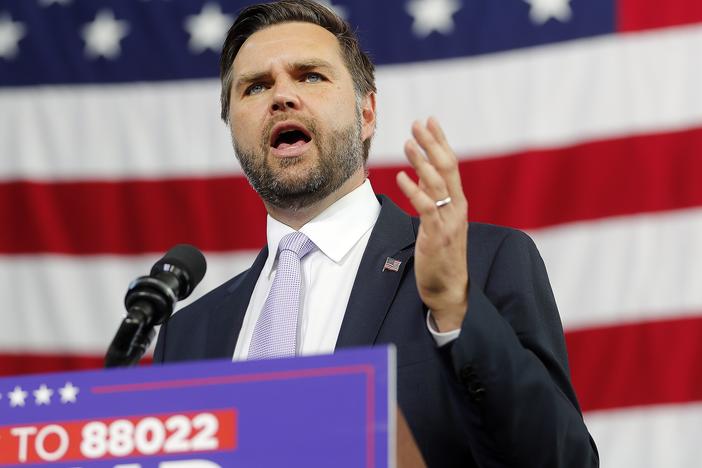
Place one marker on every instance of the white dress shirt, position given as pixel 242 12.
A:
pixel 340 234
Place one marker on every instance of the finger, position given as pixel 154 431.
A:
pixel 438 133
pixel 441 156
pixel 435 152
pixel 425 206
pixel 430 180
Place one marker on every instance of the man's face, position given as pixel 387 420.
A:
pixel 296 124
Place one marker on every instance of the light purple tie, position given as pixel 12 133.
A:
pixel 275 333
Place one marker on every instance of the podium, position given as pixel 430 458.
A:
pixel 320 411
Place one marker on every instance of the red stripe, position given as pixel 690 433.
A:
pixel 637 364
pixel 612 367
pixel 126 217
pixel 637 15
pixel 529 190
pixel 39 363
pixel 593 180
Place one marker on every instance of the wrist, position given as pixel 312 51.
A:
pixel 449 319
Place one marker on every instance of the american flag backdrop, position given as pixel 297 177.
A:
pixel 579 121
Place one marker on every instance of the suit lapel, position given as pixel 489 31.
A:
pixel 226 319
pixel 374 289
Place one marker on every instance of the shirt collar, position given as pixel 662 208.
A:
pixel 334 231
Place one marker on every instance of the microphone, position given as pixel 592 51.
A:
pixel 150 300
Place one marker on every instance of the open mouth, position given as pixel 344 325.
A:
pixel 289 136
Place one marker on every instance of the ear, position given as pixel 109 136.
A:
pixel 368 116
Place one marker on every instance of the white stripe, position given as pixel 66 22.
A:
pixel 549 96
pixel 531 98
pixel 614 271
pixel 651 437
pixel 626 269
pixel 114 131
pixel 75 304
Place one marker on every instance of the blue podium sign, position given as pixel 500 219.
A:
pixel 321 411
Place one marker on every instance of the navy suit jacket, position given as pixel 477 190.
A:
pixel 498 396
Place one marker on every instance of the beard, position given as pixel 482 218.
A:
pixel 291 186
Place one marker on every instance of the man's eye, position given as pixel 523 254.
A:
pixel 255 89
pixel 313 78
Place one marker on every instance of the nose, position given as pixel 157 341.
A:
pixel 284 96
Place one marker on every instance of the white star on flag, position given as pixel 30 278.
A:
pixel 46 3
pixel 340 10
pixel 68 393
pixel 17 397
pixel 103 35
pixel 10 34
pixel 432 15
pixel 543 10
pixel 42 395
pixel 208 28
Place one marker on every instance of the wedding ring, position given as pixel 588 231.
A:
pixel 444 202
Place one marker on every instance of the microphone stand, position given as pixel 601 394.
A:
pixel 149 301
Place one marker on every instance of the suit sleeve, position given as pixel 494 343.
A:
pixel 510 357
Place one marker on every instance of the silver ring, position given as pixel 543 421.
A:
pixel 444 202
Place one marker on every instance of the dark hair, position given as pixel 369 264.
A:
pixel 260 16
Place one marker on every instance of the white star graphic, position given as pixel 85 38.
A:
pixel 208 28
pixel 432 15
pixel 543 10
pixel 103 34
pixel 10 34
pixel 46 3
pixel 42 395
pixel 68 393
pixel 342 11
pixel 17 397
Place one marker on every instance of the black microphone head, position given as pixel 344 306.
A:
pixel 187 263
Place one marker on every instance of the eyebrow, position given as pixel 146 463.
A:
pixel 299 67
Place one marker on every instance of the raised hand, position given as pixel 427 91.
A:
pixel 440 256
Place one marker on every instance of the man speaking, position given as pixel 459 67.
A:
pixel 482 374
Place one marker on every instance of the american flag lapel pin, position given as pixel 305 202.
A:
pixel 391 264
